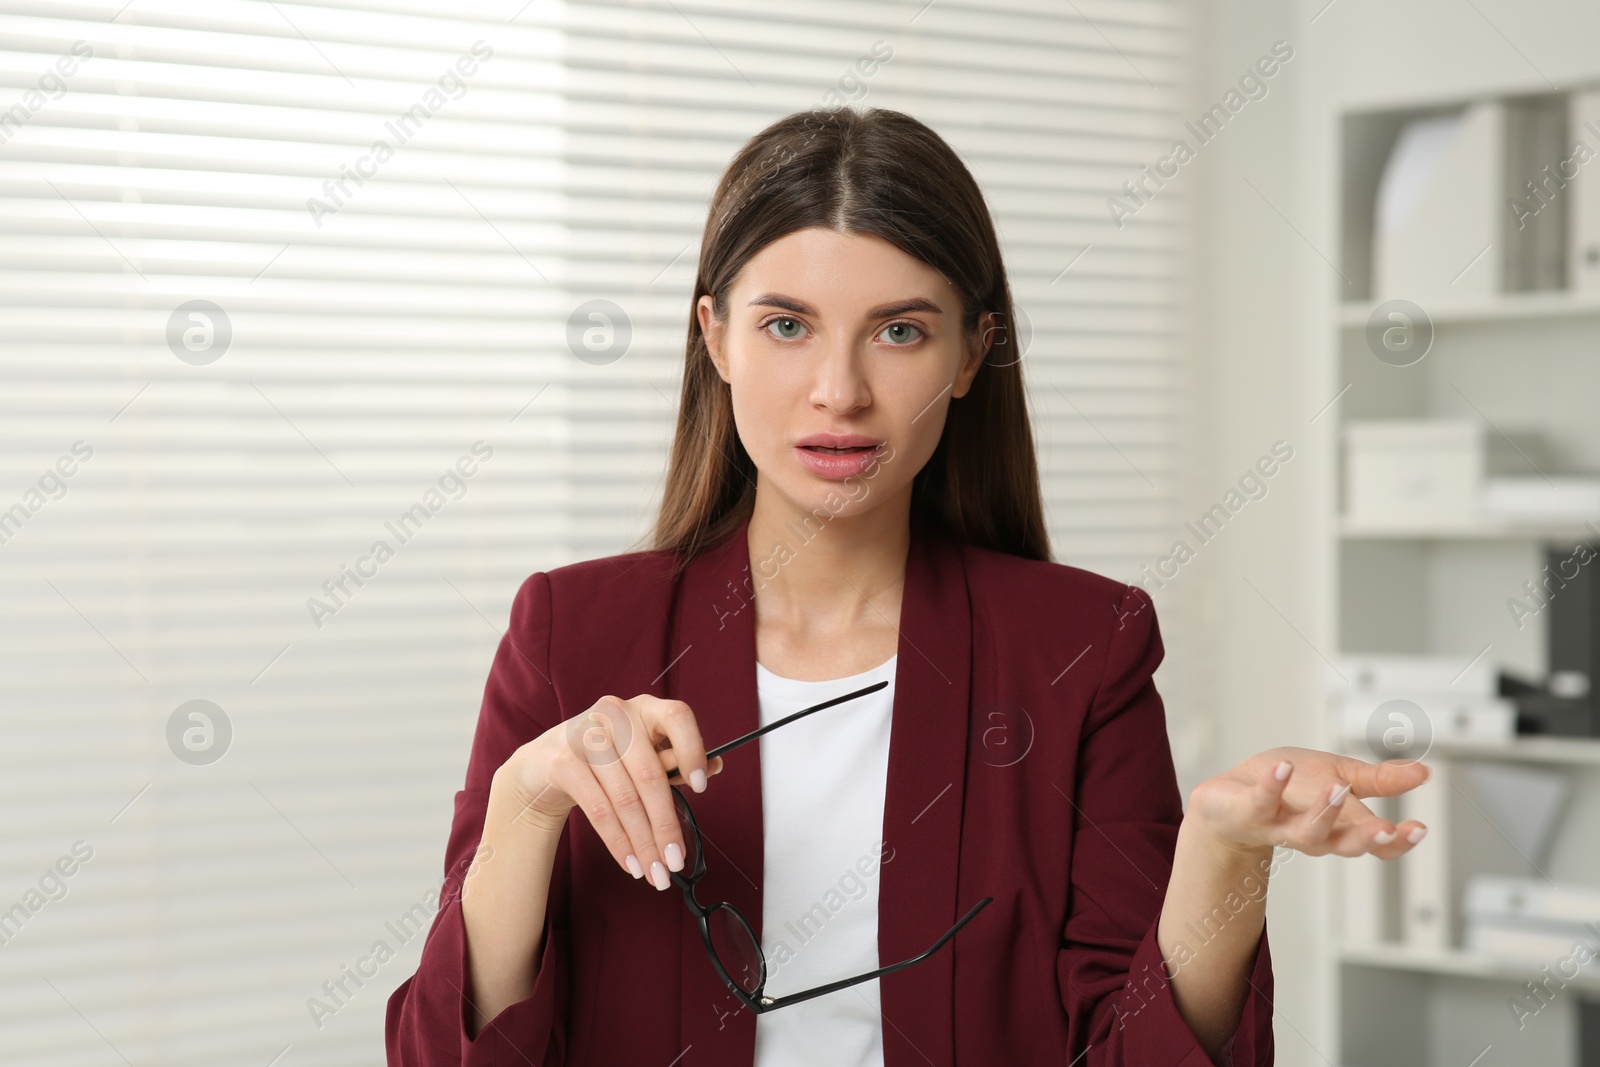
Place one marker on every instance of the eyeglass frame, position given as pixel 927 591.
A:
pixel 757 1001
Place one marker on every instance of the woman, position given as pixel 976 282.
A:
pixel 852 504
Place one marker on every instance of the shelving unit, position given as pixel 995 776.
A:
pixel 1521 360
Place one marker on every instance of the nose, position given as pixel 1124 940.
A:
pixel 841 384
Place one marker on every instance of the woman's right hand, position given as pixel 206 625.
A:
pixel 612 761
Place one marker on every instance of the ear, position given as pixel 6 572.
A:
pixel 977 348
pixel 711 329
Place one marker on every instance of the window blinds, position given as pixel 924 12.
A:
pixel 282 283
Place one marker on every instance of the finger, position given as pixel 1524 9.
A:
pixel 1387 779
pixel 1267 796
pixel 1405 837
pixel 650 785
pixel 1378 836
pixel 616 776
pixel 1317 830
pixel 669 761
pixel 1366 831
pixel 1355 829
pixel 574 774
pixel 1319 822
pixel 675 720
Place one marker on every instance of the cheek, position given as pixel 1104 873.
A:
pixel 920 401
pixel 921 437
pixel 764 407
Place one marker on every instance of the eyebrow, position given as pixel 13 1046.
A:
pixel 800 307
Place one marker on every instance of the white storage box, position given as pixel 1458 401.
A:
pixel 1495 896
pixel 1397 670
pixel 1414 471
pixel 1444 716
pixel 1536 497
pixel 1533 943
pixel 1439 204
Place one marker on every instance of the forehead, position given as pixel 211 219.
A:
pixel 841 273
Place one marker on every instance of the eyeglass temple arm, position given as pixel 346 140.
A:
pixel 795 998
pixel 786 720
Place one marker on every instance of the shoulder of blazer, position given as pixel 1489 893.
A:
pixel 625 582
pixel 606 623
pixel 1043 588
pixel 1101 630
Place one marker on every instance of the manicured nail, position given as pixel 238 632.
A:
pixel 674 856
pixel 658 875
pixel 1417 835
pixel 1283 770
pixel 633 866
pixel 697 780
pixel 1383 837
pixel 1340 791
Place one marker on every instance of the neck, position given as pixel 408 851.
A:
pixel 822 571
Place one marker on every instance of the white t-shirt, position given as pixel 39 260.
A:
pixel 823 779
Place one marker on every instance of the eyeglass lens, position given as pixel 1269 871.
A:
pixel 691 840
pixel 736 948
pixel 735 945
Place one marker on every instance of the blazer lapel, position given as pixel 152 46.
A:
pixel 923 804
pixel 710 664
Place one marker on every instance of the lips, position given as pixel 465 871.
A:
pixel 837 443
pixel 837 456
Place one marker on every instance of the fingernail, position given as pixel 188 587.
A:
pixel 675 856
pixel 1340 791
pixel 1283 770
pixel 633 866
pixel 1383 837
pixel 1417 835
pixel 658 875
pixel 697 780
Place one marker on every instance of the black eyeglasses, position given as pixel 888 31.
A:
pixel 729 938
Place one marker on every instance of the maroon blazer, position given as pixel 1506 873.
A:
pixel 1028 761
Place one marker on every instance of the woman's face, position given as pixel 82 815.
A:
pixel 842 339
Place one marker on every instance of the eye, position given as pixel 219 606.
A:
pixel 902 327
pixel 782 321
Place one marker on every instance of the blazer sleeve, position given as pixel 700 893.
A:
pixel 426 1020
pixel 1114 983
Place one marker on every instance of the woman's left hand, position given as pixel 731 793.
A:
pixel 1315 808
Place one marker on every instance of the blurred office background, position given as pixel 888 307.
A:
pixel 279 281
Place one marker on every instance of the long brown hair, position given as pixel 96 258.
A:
pixel 877 172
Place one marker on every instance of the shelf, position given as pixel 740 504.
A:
pixel 1453 962
pixel 1529 748
pixel 1506 307
pixel 1486 529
